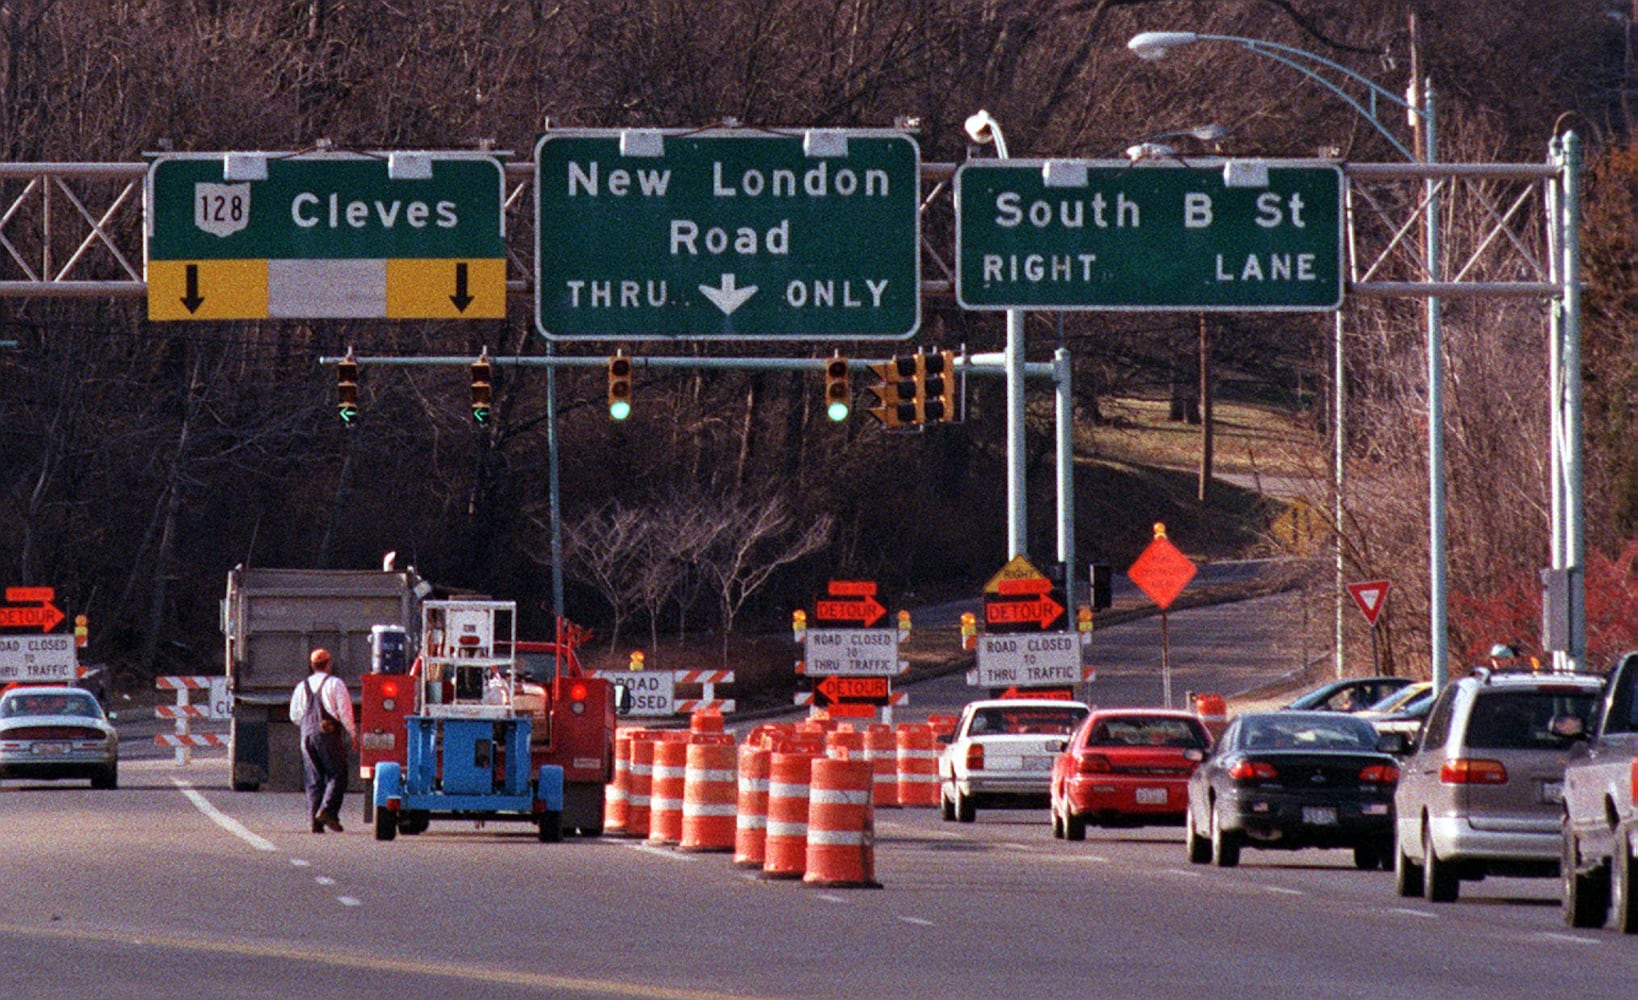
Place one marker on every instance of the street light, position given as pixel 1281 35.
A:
pixel 1155 45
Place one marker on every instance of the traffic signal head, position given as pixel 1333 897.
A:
pixel 347 389
pixel 931 381
pixel 620 386
pixel 896 391
pixel 838 393
pixel 482 390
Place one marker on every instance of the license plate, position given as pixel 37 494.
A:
pixel 1151 796
pixel 1552 791
pixel 376 741
pixel 49 749
pixel 1036 762
pixel 1319 815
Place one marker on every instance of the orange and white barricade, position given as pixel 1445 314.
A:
pixel 640 800
pixel 1213 712
pixel 751 820
pixel 670 781
pixel 710 793
pixel 841 825
pixel 845 743
pixel 617 793
pixel 785 854
pixel 918 765
pixel 881 750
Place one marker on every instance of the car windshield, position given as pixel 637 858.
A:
pixel 1341 733
pixel 1018 721
pixel 1137 731
pixel 66 703
pixel 1521 720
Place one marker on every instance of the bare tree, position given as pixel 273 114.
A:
pixel 754 541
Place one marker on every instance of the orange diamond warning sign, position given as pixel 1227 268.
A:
pixel 1162 571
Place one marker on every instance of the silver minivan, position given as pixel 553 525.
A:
pixel 1483 791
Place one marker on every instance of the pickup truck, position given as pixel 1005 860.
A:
pixel 1599 869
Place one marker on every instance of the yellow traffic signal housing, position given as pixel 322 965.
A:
pixel 838 393
pixel 620 386
pixel 947 393
pixel 482 390
pixel 896 392
pixel 347 389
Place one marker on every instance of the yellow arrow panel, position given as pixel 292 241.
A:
pixel 1017 568
pixel 207 289
pixel 446 289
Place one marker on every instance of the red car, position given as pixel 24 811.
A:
pixel 1126 767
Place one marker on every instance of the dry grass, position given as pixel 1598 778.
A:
pixel 1250 439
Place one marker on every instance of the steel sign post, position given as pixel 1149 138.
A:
pixel 727 234
pixel 1090 235
pixel 326 236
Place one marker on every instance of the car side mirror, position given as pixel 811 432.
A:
pixel 1397 744
pixel 1194 755
pixel 622 699
pixel 945 738
pixel 1569 727
pixel 1057 746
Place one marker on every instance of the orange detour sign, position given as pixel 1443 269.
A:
pixel 1162 571
pixel 43 615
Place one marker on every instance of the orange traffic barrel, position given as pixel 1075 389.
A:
pixel 844 743
pixel 943 725
pixel 766 734
pixel 705 720
pixel 881 749
pixel 918 765
pixel 617 793
pixel 1213 711
pixel 785 851
pixel 710 793
pixel 751 823
pixel 639 807
pixel 841 848
pixel 670 781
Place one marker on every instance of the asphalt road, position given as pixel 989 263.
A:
pixel 173 886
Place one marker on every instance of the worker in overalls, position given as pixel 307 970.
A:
pixel 323 709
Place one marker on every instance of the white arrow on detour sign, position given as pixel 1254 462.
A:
pixel 1370 596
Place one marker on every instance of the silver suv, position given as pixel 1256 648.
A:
pixel 1483 791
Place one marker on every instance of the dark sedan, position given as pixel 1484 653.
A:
pixel 1287 780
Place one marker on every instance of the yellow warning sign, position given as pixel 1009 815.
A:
pixel 1018 568
pixel 207 289
pixel 446 289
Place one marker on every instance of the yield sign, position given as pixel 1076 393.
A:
pixel 1162 571
pixel 1370 597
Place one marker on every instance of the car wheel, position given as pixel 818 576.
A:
pixel 1225 846
pixel 1623 894
pixel 946 803
pixel 1074 824
pixel 966 810
pixel 1369 856
pixel 1057 823
pixel 107 777
pixel 1586 893
pixel 1439 882
pixel 386 824
pixel 1407 874
pixel 1198 847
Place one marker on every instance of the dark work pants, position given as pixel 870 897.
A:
pixel 324 769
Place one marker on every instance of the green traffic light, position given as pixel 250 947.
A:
pixel 347 413
pixel 837 411
pixel 620 409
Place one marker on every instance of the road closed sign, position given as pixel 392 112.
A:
pixel 29 659
pixel 1029 660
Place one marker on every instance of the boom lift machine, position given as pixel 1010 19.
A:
pixel 467 747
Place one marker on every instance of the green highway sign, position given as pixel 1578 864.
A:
pixel 727 234
pixel 1077 234
pixel 404 235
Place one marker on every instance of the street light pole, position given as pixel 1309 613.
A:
pixel 1154 45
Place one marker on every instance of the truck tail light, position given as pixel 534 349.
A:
pixel 1473 771
pixel 1379 774
pixel 1634 780
pixel 578 692
pixel 1253 770
pixel 1095 763
pixel 975 757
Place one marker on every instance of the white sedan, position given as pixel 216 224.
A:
pixel 1001 753
pixel 57 732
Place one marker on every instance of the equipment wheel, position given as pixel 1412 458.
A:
pixel 1586 893
pixel 1198 847
pixel 1407 874
pixel 413 823
pixel 1225 845
pixel 551 826
pixel 1623 892
pixel 1439 881
pixel 386 824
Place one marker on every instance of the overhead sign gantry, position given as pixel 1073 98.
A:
pixel 402 235
pixel 727 234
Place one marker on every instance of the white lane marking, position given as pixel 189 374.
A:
pixel 919 922
pixel 1405 912
pixel 1569 938
pixel 829 898
pixel 300 862
pixel 324 880
pixel 1282 890
pixel 663 852
pixel 1185 872
pixel 221 819
pixel 349 901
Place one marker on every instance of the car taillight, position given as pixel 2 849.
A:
pixel 1253 770
pixel 1463 771
pixel 1634 779
pixel 1095 763
pixel 578 692
pixel 1379 774
pixel 975 757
